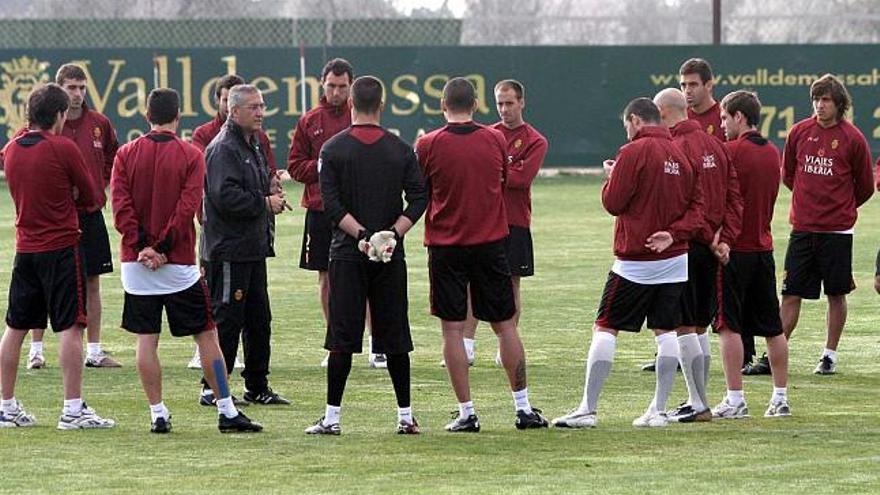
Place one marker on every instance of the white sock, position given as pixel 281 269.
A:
pixel 331 415
pixel 404 415
pixel 226 407
pixel 831 354
pixel 599 361
pixel 469 348
pixel 73 407
pixel 466 409
pixel 9 406
pixel 735 397
pixel 158 411
pixel 779 394
pixel 94 348
pixel 704 343
pixel 36 348
pixel 690 355
pixel 667 366
pixel 521 401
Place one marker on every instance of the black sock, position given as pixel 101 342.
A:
pixel 398 368
pixel 338 367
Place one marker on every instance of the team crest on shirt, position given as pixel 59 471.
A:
pixel 710 129
pixel 834 144
pixel 19 77
pixel 517 143
pixel 96 133
pixel 821 152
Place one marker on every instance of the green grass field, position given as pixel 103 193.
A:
pixel 830 445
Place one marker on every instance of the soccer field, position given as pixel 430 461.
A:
pixel 830 445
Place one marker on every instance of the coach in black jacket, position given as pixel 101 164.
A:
pixel 240 204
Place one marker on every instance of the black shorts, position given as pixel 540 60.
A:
pixel 485 268
pixel 315 253
pixel 95 244
pixel 697 308
pixel 47 284
pixel 746 299
pixel 188 311
pixel 818 259
pixel 352 284
pixel 625 305
pixel 520 252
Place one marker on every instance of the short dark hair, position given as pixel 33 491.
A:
pixel 831 85
pixel 44 104
pixel 366 94
pixel 459 95
pixel 744 102
pixel 163 105
pixel 697 66
pixel 338 66
pixel 227 82
pixel 513 84
pixel 643 108
pixel 70 71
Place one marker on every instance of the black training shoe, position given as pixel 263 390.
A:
pixel 683 409
pixel 238 424
pixel 759 367
pixel 696 416
pixel 826 366
pixel 468 424
pixel 267 398
pixel 404 428
pixel 209 400
pixel 161 425
pixel 525 421
pixel 652 366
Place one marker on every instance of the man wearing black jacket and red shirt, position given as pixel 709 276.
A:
pixel 48 180
pixel 827 165
pixel 747 304
pixel 655 195
pixel 465 165
pixel 96 140
pixel 239 204
pixel 157 185
pixel 365 171
pixel 722 222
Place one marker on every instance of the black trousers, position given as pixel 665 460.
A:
pixel 239 293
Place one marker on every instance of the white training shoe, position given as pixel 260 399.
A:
pixel 576 419
pixel 36 361
pixel 778 409
pixel 239 365
pixel 17 418
pixel 326 361
pixel 471 360
pixel 651 419
pixel 196 362
pixel 378 361
pixel 498 358
pixel 726 410
pixel 85 420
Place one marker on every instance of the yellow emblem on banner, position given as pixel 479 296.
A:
pixel 19 77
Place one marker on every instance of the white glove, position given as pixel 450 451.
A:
pixel 367 248
pixel 383 243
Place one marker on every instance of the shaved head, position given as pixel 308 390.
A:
pixel 672 105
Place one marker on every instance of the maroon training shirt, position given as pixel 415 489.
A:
pixel 465 165
pixel 157 185
pixel 526 148
pixel 314 129
pixel 42 170
pixel 756 161
pixel 96 140
pixel 710 121
pixel 652 188
pixel 830 175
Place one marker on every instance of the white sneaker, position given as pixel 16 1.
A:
pixel 471 360
pixel 239 365
pixel 778 409
pixel 651 419
pixel 378 361
pixel 18 418
pixel 102 360
pixel 576 419
pixel 36 361
pixel 196 362
pixel 326 361
pixel 726 410
pixel 498 358
pixel 86 419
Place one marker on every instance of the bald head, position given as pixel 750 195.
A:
pixel 672 105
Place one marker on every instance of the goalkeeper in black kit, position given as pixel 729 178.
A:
pixel 365 174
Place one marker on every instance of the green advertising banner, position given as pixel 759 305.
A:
pixel 574 94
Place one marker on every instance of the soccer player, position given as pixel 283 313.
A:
pixel 48 180
pixel 365 170
pixel 201 138
pixel 526 148
pixel 239 206
pixel 157 185
pixel 746 298
pixel 722 222
pixel 316 127
pixel 96 140
pixel 465 165
pixel 697 82
pixel 827 165
pixel 654 193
